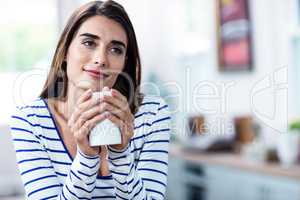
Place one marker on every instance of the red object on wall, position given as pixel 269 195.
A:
pixel 234 35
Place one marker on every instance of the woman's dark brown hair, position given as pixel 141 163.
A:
pixel 56 84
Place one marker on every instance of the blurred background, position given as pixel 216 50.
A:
pixel 229 70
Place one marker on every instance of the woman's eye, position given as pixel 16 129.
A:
pixel 88 43
pixel 117 51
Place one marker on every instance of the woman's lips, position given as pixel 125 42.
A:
pixel 96 74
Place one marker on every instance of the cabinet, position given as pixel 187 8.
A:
pixel 195 181
pixel 233 184
pixel 176 175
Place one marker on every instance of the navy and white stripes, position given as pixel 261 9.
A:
pixel 49 172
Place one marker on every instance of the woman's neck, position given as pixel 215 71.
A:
pixel 66 106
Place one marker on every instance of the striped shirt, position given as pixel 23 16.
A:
pixel 49 172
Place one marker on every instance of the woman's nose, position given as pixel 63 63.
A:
pixel 100 57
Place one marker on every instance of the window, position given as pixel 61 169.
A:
pixel 29 30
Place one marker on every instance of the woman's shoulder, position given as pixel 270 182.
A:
pixel 152 102
pixel 153 117
pixel 152 105
pixel 30 116
pixel 33 107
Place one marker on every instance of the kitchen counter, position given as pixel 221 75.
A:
pixel 235 161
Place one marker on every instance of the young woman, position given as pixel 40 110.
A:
pixel 96 51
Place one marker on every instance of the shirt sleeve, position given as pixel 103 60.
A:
pixel 39 178
pixel 145 178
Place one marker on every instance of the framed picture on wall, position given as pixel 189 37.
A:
pixel 234 35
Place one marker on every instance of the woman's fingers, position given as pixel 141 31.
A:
pixel 105 106
pixel 118 95
pixel 84 128
pixel 97 119
pixel 96 110
pixel 83 107
pixel 83 143
pixel 87 94
pixel 122 125
pixel 117 102
pixel 126 131
pixel 81 133
pixel 91 111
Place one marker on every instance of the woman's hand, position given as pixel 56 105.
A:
pixel 120 114
pixel 86 116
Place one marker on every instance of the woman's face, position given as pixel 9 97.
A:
pixel 96 54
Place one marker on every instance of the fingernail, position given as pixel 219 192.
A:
pixel 89 91
pixel 105 88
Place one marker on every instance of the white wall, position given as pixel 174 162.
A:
pixel 172 51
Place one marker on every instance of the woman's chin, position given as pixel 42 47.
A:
pixel 85 87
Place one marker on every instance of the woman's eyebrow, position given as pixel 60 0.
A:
pixel 96 37
pixel 90 35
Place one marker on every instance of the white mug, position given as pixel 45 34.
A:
pixel 106 132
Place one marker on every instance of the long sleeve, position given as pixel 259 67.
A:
pixel 145 178
pixel 38 175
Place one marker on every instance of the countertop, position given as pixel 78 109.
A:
pixel 235 161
